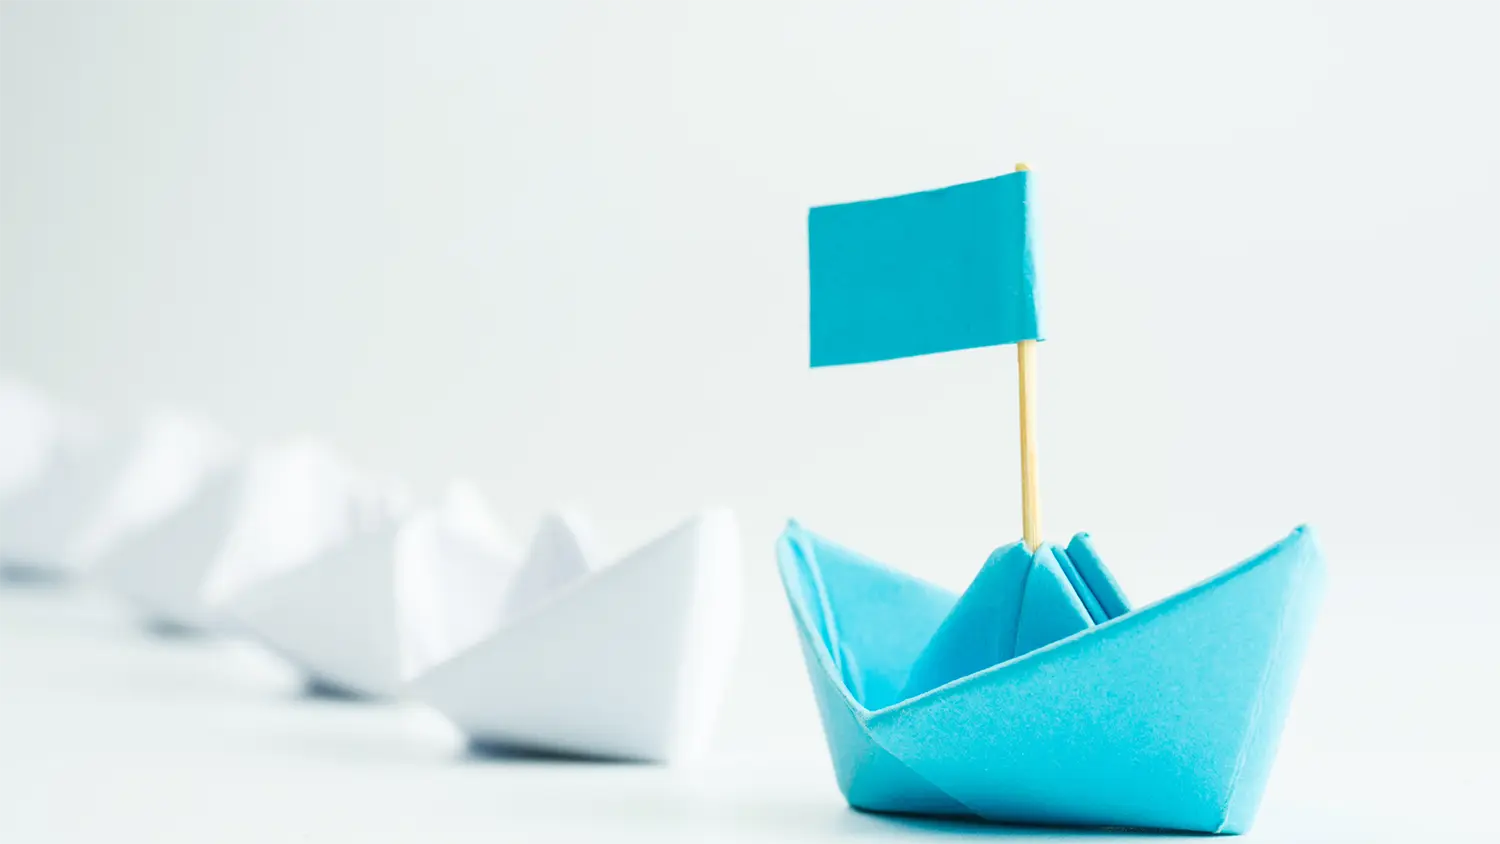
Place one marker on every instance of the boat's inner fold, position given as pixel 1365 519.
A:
pixel 891 636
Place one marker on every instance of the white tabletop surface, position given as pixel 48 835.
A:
pixel 110 733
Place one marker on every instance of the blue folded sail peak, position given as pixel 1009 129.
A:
pixel 1163 717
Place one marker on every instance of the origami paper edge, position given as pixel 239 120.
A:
pixel 1302 533
pixel 859 715
pixel 1235 814
pixel 1139 615
pixel 116 571
pixel 1313 577
pixel 234 617
pixel 713 531
pixel 1023 175
pixel 720 515
pixel 787 545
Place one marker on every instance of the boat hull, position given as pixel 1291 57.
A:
pixel 1166 717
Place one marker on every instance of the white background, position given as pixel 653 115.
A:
pixel 559 248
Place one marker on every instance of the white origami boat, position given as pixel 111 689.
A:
pixel 54 472
pixel 160 527
pixel 307 568
pixel 627 661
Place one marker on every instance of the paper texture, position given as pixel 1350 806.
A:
pixel 170 455
pixel 627 660
pixel 162 568
pixel 161 525
pixel 921 273
pixel 1011 703
pixel 556 652
pixel 455 566
pixel 28 430
pixel 57 472
pixel 308 567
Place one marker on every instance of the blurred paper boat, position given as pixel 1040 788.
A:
pixel 1039 696
pixel 163 519
pixel 307 568
pixel 69 495
pixel 162 567
pixel 55 472
pixel 455 567
pixel 628 660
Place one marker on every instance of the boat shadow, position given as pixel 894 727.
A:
pixel 318 690
pixel 20 575
pixel 486 751
pixel 164 630
pixel 974 828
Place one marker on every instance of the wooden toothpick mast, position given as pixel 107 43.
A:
pixel 1031 518
pixel 930 272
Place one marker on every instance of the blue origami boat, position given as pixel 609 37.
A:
pixel 1039 696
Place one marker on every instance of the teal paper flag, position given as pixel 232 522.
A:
pixel 921 273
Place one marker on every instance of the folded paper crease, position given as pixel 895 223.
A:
pixel 626 660
pixel 1039 696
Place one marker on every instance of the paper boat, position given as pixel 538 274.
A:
pixel 1040 697
pixel 162 567
pixel 627 661
pixel 28 429
pixel 163 518
pixel 55 472
pixel 307 568
pixel 455 569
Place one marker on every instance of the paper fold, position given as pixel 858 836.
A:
pixel 58 471
pixel 628 660
pixel 158 532
pixel 1163 717
pixel 308 568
